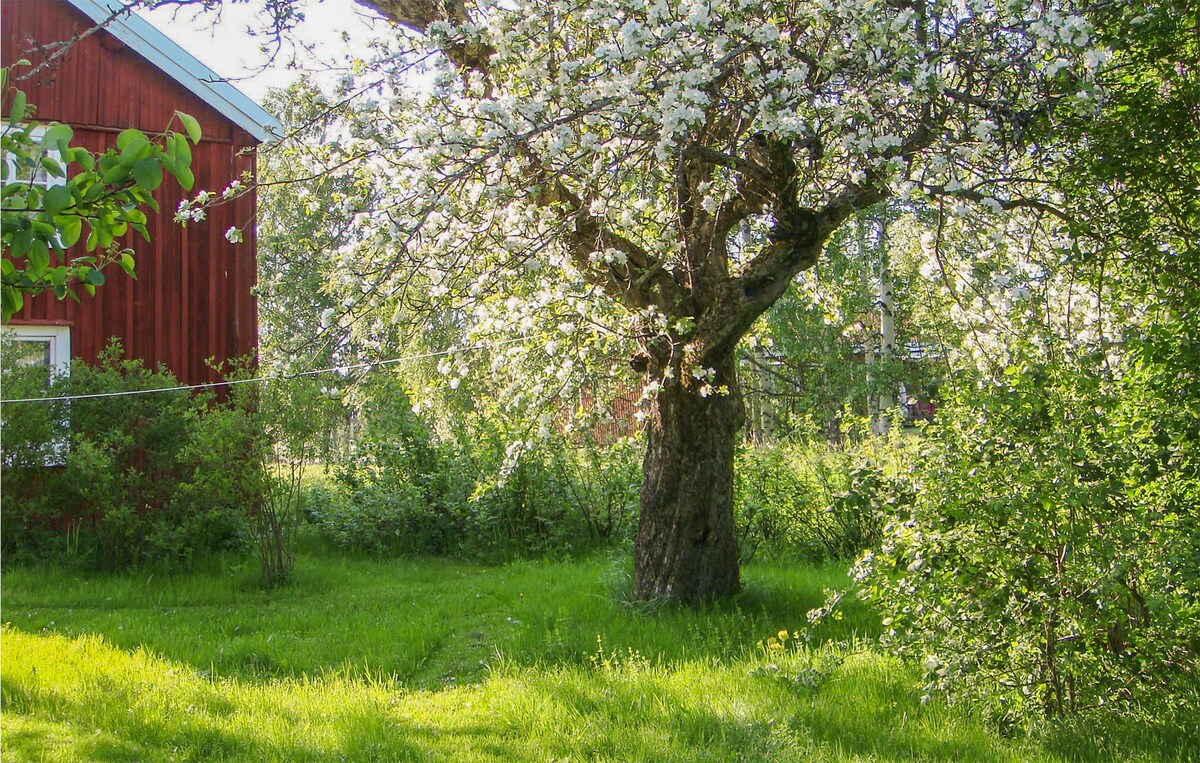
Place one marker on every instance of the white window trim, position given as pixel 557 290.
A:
pixel 40 178
pixel 58 337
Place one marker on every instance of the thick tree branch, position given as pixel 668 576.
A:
pixel 419 15
pixel 639 282
pixel 741 166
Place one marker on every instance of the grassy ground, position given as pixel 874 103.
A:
pixel 437 660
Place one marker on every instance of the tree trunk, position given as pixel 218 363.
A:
pixel 887 327
pixel 686 547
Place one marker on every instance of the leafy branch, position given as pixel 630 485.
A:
pixel 52 189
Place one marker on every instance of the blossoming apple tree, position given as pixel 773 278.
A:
pixel 662 170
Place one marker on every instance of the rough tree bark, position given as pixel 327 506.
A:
pixel 687 547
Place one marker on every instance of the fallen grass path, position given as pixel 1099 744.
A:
pixel 369 660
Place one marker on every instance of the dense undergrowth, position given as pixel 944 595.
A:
pixel 168 479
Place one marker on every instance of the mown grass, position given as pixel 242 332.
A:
pixel 438 660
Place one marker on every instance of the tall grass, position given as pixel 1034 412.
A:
pixel 436 660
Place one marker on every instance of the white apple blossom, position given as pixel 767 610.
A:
pixel 592 165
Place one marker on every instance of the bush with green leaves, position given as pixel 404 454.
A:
pixel 561 496
pixel 113 482
pixel 296 416
pixel 1049 564
pixel 817 502
pixel 399 490
pixel 463 491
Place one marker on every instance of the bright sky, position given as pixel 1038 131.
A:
pixel 229 51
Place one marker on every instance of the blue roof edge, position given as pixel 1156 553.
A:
pixel 146 40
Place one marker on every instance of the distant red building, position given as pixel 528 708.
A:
pixel 193 298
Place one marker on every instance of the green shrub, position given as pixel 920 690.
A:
pixel 468 492
pixel 814 501
pixel 1049 564
pixel 119 481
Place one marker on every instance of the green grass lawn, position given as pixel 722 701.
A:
pixel 437 660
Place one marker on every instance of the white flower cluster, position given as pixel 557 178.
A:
pixel 189 211
pixel 479 191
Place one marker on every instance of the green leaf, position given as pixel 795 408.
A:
pixel 70 228
pixel 19 241
pixel 53 167
pixel 115 175
pixel 58 198
pixel 42 229
pixel 186 178
pixel 38 258
pixel 127 263
pixel 191 125
pixel 58 136
pixel 84 159
pixel 130 137
pixel 33 199
pixel 182 152
pixel 148 173
pixel 12 300
pixel 93 277
pixel 138 149
pixel 17 113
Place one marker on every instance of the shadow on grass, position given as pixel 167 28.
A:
pixel 426 622
pixel 82 699
pixel 681 687
pixel 1172 736
pixel 33 739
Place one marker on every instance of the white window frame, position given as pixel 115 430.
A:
pixel 40 177
pixel 58 338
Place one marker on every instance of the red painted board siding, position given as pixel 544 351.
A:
pixel 193 297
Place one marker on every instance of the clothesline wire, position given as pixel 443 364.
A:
pixel 341 370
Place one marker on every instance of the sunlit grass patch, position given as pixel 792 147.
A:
pixel 397 660
pixel 79 698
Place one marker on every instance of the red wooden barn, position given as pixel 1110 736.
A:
pixel 193 298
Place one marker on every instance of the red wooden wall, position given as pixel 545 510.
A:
pixel 193 297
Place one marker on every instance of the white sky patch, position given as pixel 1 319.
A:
pixel 229 49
